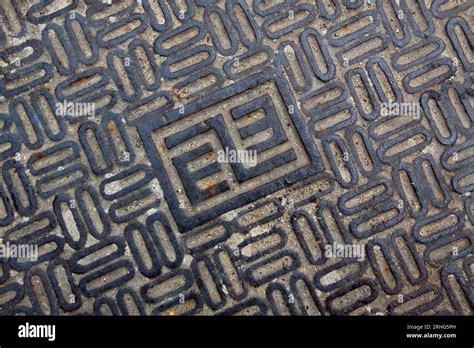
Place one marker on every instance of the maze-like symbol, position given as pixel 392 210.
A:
pixel 215 119
pixel 119 119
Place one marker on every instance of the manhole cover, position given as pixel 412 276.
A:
pixel 236 157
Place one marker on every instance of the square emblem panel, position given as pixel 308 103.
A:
pixel 257 116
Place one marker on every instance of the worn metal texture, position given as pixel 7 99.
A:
pixel 114 115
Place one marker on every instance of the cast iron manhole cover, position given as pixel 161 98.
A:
pixel 236 157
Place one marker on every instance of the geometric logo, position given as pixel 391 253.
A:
pixel 257 114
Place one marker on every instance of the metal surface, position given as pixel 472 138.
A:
pixel 113 115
